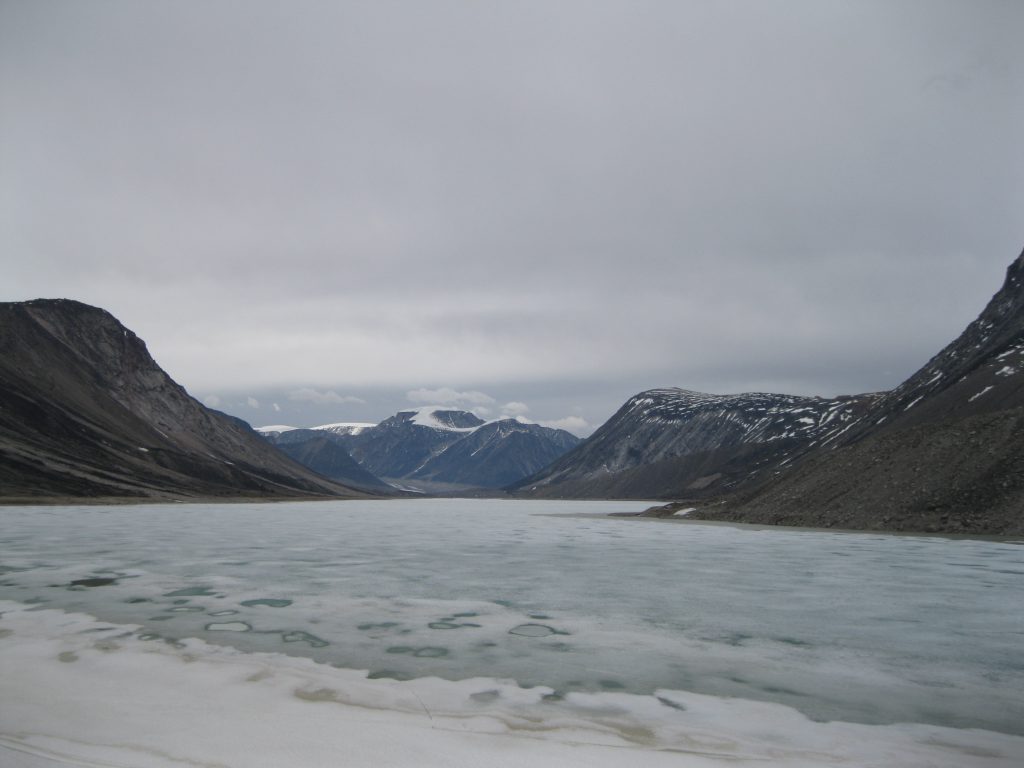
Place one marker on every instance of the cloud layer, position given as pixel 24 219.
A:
pixel 555 203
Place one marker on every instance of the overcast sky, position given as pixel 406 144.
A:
pixel 330 211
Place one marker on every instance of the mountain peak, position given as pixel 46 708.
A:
pixel 441 417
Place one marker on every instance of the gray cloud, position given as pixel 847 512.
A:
pixel 449 396
pixel 554 203
pixel 310 395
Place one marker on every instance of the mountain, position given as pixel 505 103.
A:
pixel 432 449
pixel 496 454
pixel 944 451
pixel 664 443
pixel 86 412
pixel 325 456
pixel 397 447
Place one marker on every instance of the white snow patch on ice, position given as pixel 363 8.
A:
pixel 1006 370
pixel 75 694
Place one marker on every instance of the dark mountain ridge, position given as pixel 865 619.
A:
pixel 87 412
pixel 666 442
pixel 944 451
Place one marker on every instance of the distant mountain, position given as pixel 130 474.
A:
pixel 664 443
pixel 345 428
pixel 86 412
pixel 399 446
pixel 319 451
pixel 944 451
pixel 496 454
pixel 435 449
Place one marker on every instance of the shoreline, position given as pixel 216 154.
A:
pixel 1005 538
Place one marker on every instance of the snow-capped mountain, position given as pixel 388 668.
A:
pixel 666 442
pixel 496 454
pixel 434 448
pixel 944 451
pixel 345 428
pixel 401 444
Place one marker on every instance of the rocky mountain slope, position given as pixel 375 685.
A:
pixel 321 451
pixel 944 451
pixel 496 454
pixel 671 442
pixel 436 449
pixel 86 412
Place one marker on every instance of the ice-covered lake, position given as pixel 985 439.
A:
pixel 555 624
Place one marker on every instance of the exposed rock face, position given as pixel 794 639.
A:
pixel 944 451
pixel 671 442
pixel 85 411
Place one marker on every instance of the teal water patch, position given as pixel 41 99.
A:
pixel 191 592
pixel 426 652
pixel 430 652
pixel 387 674
pixel 97 581
pixel 268 601
pixel 535 630
pixel 298 636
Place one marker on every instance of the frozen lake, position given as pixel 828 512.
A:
pixel 554 602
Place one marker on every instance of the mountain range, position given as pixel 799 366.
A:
pixel 665 443
pixel 943 451
pixel 428 449
pixel 85 412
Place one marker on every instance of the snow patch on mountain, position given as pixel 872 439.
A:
pixel 274 429
pixel 438 417
pixel 346 427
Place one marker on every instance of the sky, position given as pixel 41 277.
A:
pixel 318 212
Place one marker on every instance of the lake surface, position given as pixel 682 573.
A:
pixel 860 628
